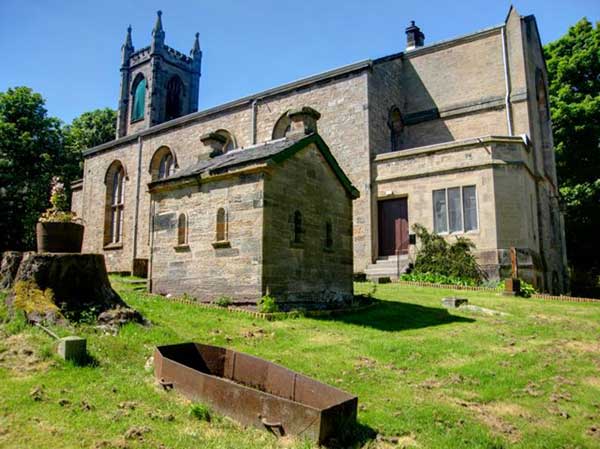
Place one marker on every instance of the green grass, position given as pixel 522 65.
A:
pixel 434 378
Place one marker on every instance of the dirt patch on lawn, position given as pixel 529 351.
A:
pixel 593 381
pixel 20 355
pixel 492 415
pixel 592 347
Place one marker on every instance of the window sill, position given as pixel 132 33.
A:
pixel 297 245
pixel 181 248
pixel 328 250
pixel 221 244
pixel 137 120
pixel 113 246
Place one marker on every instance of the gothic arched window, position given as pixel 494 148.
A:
pixel 282 126
pixel 396 125
pixel 221 225
pixel 162 164
pixel 174 98
pixel 139 98
pixel 182 227
pixel 298 227
pixel 328 235
pixel 113 219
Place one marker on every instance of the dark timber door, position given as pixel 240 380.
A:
pixel 393 227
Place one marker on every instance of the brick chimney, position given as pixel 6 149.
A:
pixel 215 142
pixel 414 37
pixel 303 121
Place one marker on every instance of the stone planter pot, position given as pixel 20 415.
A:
pixel 56 237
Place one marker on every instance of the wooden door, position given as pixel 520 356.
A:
pixel 393 227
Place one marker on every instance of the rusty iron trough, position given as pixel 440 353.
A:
pixel 256 392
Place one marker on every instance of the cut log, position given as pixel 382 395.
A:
pixel 79 282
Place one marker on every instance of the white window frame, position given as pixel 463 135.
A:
pixel 462 210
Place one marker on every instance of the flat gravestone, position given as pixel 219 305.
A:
pixel 454 303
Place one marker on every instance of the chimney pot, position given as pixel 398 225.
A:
pixel 414 37
pixel 215 142
pixel 303 120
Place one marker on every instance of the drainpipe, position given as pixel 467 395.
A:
pixel 137 198
pixel 253 133
pixel 507 82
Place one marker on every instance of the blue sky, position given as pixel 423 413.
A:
pixel 69 50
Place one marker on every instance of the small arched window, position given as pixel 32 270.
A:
pixel 174 98
pixel 541 96
pixel 114 204
pixel 182 228
pixel 221 225
pixel 328 235
pixel 298 231
pixel 282 126
pixel 396 125
pixel 162 164
pixel 139 98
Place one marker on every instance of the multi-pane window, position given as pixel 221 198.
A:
pixel 114 231
pixel 455 209
pixel 165 167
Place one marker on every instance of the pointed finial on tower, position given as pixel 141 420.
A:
pixel 127 47
pixel 158 35
pixel 196 46
pixel 128 42
pixel 158 25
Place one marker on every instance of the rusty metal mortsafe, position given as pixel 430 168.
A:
pixel 256 392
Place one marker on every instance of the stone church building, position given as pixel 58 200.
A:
pixel 454 135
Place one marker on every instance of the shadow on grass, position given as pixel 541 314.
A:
pixel 88 360
pixel 356 436
pixel 392 316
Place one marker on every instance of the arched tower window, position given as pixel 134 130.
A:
pixel 182 229
pixel 230 143
pixel 298 231
pixel 115 194
pixel 174 98
pixel 221 225
pixel 162 164
pixel 138 98
pixel 396 125
pixel 282 126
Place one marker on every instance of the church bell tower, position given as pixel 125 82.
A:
pixel 158 83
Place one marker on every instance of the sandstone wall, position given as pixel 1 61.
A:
pixel 309 271
pixel 200 268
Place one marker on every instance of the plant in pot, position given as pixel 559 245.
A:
pixel 58 230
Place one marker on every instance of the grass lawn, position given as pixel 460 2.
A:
pixel 431 377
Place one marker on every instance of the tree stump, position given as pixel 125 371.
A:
pixel 79 282
pixel 9 267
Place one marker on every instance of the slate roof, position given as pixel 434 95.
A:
pixel 275 150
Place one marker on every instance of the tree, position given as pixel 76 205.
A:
pixel 86 131
pixel 31 149
pixel 573 63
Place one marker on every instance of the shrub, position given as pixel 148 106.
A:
pixel 436 256
pixel 435 278
pixel 224 301
pixel 200 411
pixel 267 304
pixel 526 289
